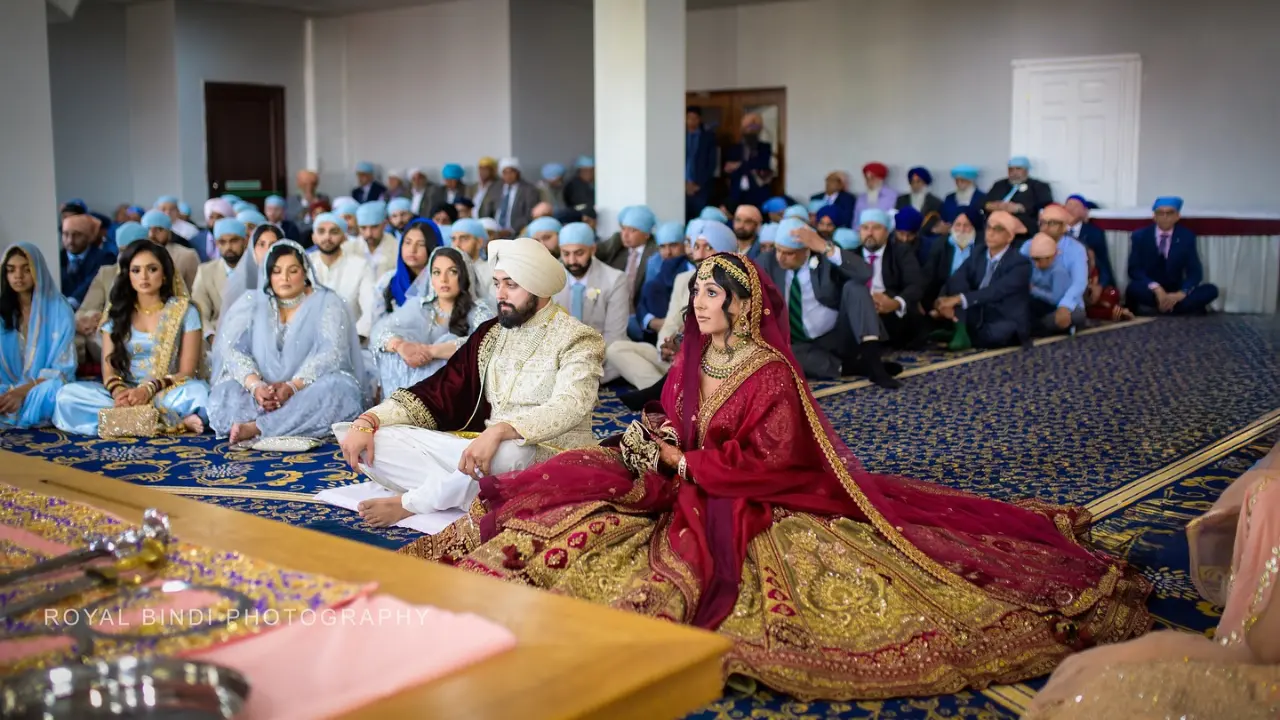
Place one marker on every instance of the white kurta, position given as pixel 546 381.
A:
pixel 353 281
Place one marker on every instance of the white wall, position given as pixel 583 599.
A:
pixel 422 86
pixel 925 82
pixel 90 83
pixel 28 207
pixel 238 44
pixel 152 97
pixel 552 82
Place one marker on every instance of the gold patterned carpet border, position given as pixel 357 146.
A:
pixel 982 355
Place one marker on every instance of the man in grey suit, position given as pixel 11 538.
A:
pixel 630 248
pixel 833 319
pixel 512 203
pixel 595 293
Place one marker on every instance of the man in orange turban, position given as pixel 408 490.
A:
pixel 81 255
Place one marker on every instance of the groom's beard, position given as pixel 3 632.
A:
pixel 510 316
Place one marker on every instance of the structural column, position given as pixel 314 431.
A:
pixel 639 107
pixel 28 204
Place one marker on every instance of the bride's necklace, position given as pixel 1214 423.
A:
pixel 292 302
pixel 719 363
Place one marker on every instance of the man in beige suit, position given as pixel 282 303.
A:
pixel 595 293
pixel 185 260
pixel 89 314
pixel 644 365
pixel 212 277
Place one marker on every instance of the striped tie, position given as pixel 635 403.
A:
pixel 794 310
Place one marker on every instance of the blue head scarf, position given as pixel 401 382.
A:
pixel 921 172
pixel 847 239
pixel 774 205
pixel 1169 201
pixel 452 171
pixel 797 211
pixel 711 212
pixel 403 278
pixel 834 214
pixel 130 231
pixel 909 219
pixel 784 238
pixel 50 350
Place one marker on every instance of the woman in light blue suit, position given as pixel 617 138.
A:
pixel 37 339
pixel 151 349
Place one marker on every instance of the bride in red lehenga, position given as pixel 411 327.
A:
pixel 735 507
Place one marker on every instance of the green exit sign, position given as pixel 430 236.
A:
pixel 244 185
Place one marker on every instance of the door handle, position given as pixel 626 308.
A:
pixel 216 185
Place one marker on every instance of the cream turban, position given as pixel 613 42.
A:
pixel 529 264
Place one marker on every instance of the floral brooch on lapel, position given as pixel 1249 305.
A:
pixel 593 293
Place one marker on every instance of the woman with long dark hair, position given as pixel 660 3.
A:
pixel 436 319
pixel 734 506
pixel 417 241
pixel 37 339
pixel 287 358
pixel 151 349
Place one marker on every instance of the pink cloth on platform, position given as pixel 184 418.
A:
pixel 313 670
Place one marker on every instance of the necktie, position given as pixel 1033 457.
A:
pixel 575 300
pixel 991 270
pixel 73 265
pixel 633 264
pixel 1164 244
pixel 871 260
pixel 794 310
pixel 502 211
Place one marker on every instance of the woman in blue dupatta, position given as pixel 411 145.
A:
pixel 151 350
pixel 417 241
pixel 438 316
pixel 37 340
pixel 287 358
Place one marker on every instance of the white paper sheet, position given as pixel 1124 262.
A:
pixel 349 496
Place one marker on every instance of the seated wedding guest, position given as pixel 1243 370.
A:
pixel 400 212
pixel 345 208
pixel 395 186
pixel 712 212
pixel 245 278
pixel 307 202
pixel 594 293
pixel 1050 282
pixel 287 357
pixel 1091 236
pixel 416 340
pixel 546 230
pixel 651 308
pixel 877 194
pixel 204 242
pixel 1165 274
pixel 827 219
pixel 151 349
pixel 581 188
pixel 185 260
pixel 967 195
pixel 343 272
pixel 417 242
pixel 830 310
pixel 251 219
pixel 1102 302
pixel 465 208
pixel 897 282
pixel 948 254
pixel 372 217
pixel 551 185
pixel 746 227
pixel 920 198
pixel 1071 263
pixel 184 230
pixel 492 227
pixel 834 194
pixel 451 191
pixel 844 238
pixel 443 214
pixel 1020 195
pixel 1179 674
pixel 774 207
pixel 631 247
pixel 368 189
pixel 768 233
pixel 274 211
pixel 990 293
pixel 907 224
pixel 211 280
pixel 37 339
pixel 645 365
pixel 79 259
pixel 470 237
pixel 89 314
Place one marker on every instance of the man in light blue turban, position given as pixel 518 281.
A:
pixel 551 186
pixel 660 275
pixel 631 247
pixel 712 212
pixel 966 195
pixel 451 191
pixel 371 218
pixel 774 207
pixel 1020 195
pixel 797 211
pixel 168 204
pixel 159 229
pixel 275 208
pixel 594 293
pixel 399 213
pixel 1165 274
pixel 581 188
pixel 834 326
pixel 251 219
pixel 232 238
pixel 345 208
pixel 546 230
pixel 367 189
pixel 768 233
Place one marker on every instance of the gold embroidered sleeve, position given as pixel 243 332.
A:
pixel 576 390
pixel 394 411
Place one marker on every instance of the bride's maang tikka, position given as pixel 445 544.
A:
pixel 707 266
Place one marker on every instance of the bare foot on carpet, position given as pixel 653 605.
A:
pixel 193 424
pixel 382 512
pixel 241 432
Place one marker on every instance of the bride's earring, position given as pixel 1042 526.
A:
pixel 742 325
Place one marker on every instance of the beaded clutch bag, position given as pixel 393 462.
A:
pixel 122 422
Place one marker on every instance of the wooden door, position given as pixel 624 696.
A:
pixel 722 111
pixel 244 140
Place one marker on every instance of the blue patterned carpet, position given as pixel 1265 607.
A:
pixel 1156 411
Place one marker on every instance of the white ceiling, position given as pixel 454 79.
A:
pixel 345 7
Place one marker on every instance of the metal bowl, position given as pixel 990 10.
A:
pixel 127 687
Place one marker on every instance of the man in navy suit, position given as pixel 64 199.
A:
pixel 991 292
pixel 1165 275
pixel 699 162
pixel 369 189
pixel 836 195
pixel 1092 237
pixel 81 256
pixel 749 164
